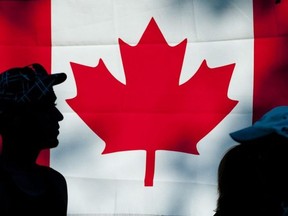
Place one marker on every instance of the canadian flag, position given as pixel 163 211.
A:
pixel 154 88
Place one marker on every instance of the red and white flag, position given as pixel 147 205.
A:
pixel 154 88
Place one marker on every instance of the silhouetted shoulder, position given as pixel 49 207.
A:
pixel 41 191
pixel 57 186
pixel 53 176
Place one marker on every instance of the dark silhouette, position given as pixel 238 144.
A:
pixel 28 124
pixel 252 176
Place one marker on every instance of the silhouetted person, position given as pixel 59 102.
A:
pixel 29 124
pixel 253 176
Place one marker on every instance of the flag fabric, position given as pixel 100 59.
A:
pixel 228 59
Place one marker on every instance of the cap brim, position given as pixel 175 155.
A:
pixel 249 134
pixel 58 78
pixel 53 79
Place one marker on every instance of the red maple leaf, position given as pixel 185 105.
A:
pixel 151 111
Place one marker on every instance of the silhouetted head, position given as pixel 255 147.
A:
pixel 28 116
pixel 252 176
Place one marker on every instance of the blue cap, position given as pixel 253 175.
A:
pixel 27 84
pixel 274 121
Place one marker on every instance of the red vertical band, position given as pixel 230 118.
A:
pixel 25 38
pixel 270 55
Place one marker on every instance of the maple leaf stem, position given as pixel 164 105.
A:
pixel 150 167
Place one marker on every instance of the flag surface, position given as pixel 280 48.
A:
pixel 153 90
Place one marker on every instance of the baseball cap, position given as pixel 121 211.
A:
pixel 274 121
pixel 27 84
